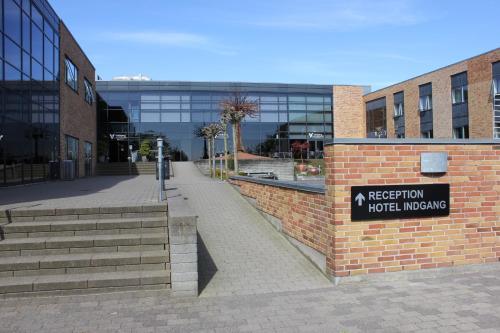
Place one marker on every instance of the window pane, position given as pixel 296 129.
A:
pixel 297 107
pixel 49 55
pixel 26 32
pixel 26 63
pixel 314 107
pixel 49 32
pixel 36 43
pixel 296 99
pixel 171 106
pixel 11 73
pixel 12 14
pixel 316 117
pixel 36 16
pixel 152 98
pixel 12 53
pixel 185 117
pixel 269 117
pixel 315 128
pixel 298 128
pixel 297 117
pixel 150 106
pixel 315 99
pixel 170 117
pixel 149 117
pixel 268 107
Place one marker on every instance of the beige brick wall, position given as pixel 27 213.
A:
pixel 78 118
pixel 480 104
pixel 348 112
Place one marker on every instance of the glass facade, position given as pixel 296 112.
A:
pixel 131 112
pixel 29 90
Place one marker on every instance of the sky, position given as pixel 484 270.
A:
pixel 368 42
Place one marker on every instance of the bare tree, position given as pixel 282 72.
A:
pixel 234 110
pixel 209 132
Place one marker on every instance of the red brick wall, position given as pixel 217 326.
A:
pixel 303 214
pixel 78 118
pixel 470 234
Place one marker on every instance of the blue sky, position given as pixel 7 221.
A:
pixel 377 42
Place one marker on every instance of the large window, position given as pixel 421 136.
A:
pixel 89 92
pixel 459 89
pixel 71 77
pixel 376 118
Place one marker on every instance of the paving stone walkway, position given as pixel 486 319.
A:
pixel 103 191
pixel 240 252
pixel 457 302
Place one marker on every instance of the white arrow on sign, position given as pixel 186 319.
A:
pixel 360 198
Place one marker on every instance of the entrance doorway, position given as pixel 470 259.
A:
pixel 118 151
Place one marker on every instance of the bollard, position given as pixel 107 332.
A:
pixel 159 142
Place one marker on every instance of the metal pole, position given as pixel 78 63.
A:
pixel 159 142
pixel 221 168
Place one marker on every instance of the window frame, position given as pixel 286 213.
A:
pixel 89 92
pixel 67 61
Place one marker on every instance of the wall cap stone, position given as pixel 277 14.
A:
pixel 284 184
pixel 363 141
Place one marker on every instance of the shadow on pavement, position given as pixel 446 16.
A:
pixel 206 266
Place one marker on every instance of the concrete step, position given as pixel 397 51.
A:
pixel 60 245
pixel 76 282
pixel 64 214
pixel 84 263
pixel 84 227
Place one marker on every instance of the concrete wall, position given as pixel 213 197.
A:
pixel 479 75
pixel 78 118
pixel 283 168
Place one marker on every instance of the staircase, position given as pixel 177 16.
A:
pixel 83 250
pixel 496 116
pixel 122 169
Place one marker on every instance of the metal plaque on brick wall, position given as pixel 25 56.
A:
pixel 399 201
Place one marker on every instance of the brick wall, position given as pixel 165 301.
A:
pixel 303 215
pixel 349 119
pixel 78 118
pixel 470 234
pixel 479 75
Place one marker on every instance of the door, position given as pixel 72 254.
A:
pixel 88 159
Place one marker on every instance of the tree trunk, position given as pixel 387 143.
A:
pixel 213 158
pixel 238 136
pixel 209 156
pixel 225 148
pixel 235 149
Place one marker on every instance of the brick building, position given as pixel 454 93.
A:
pixel 78 117
pixel 456 101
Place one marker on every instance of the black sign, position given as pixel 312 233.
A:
pixel 399 201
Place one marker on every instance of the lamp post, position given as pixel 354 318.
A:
pixel 159 141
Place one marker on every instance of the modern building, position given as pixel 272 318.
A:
pixel 461 100
pixel 131 112
pixel 47 108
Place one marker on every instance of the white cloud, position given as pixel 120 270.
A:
pixel 342 15
pixel 171 39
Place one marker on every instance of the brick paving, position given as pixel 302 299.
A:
pixel 104 191
pixel 240 253
pixel 455 302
